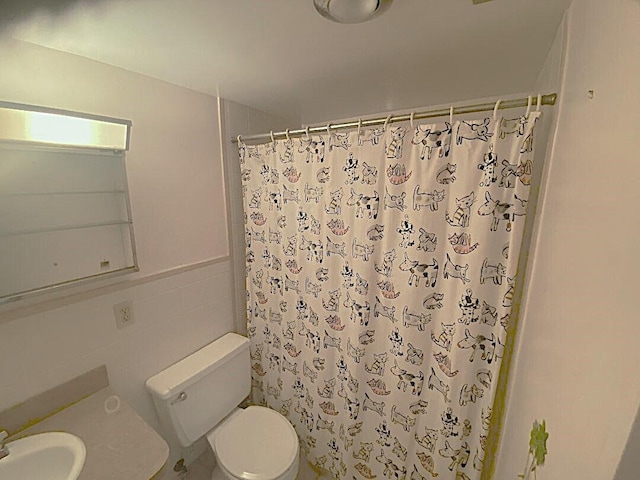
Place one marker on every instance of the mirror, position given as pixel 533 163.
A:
pixel 65 215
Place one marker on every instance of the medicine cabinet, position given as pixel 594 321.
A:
pixel 65 215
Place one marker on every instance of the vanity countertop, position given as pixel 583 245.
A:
pixel 120 445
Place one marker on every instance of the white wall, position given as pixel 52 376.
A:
pixel 578 361
pixel 182 296
pixel 174 316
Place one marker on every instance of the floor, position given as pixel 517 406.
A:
pixel 201 470
pixel 198 471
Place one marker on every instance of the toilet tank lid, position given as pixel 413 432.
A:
pixel 180 375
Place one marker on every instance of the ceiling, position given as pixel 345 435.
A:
pixel 281 57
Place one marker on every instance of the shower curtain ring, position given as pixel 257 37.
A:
pixel 328 130
pixel 286 132
pixel 413 114
pixel 451 115
pixel 539 103
pixel 495 109
pixel 529 102
pixel 386 122
pixel 359 126
pixel 239 140
pixel 307 132
pixel 273 140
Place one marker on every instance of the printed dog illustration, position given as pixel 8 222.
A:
pixel 437 384
pixel 404 421
pixel 380 310
pixel 433 139
pixel 473 131
pixel 414 319
pixel 455 271
pixel 420 270
pixel 406 379
pixel 369 404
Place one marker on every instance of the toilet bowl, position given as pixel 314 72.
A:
pixel 199 396
pixel 255 444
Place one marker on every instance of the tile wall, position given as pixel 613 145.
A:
pixel 174 316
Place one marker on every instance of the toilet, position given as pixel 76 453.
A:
pixel 200 394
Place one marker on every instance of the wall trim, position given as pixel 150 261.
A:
pixel 226 171
pixel 17 310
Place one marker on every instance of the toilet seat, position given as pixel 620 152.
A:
pixel 256 444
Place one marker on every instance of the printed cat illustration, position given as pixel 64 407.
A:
pixel 446 175
pixel 394 148
pixel 462 213
pixel 398 174
pixel 377 367
pixel 337 226
pixel 433 301
pixel 461 243
pixel 445 338
pixel 363 251
pixel 491 272
pixel 427 199
pixel 387 263
pixel 335 204
pixel 376 232
pixel 323 174
pixel 444 362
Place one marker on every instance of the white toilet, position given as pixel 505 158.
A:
pixel 199 396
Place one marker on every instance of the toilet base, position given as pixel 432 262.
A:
pixel 290 474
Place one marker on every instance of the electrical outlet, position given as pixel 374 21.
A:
pixel 124 314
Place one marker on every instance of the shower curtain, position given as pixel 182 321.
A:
pixel 380 277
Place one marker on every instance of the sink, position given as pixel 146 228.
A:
pixel 45 456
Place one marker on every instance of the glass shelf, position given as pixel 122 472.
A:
pixel 44 194
pixel 67 227
pixel 61 257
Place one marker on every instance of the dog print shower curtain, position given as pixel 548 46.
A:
pixel 380 278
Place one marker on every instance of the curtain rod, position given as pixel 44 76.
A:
pixel 549 99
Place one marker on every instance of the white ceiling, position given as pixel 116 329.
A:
pixel 281 57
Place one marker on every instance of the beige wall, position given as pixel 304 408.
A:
pixel 179 211
pixel 174 166
pixel 578 361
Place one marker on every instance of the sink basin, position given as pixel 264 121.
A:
pixel 45 456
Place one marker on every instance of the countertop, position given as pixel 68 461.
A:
pixel 120 445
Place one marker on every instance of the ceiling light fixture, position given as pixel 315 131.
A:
pixel 351 11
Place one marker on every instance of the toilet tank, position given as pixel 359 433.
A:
pixel 196 393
